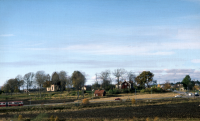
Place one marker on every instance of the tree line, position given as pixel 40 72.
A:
pixel 141 81
pixel 40 79
pixel 77 80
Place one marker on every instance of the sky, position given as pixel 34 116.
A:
pixel 91 36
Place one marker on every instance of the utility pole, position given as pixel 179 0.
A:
pixel 96 77
pixel 135 94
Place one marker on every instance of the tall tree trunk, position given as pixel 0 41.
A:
pixel 77 95
pixel 27 90
pixel 83 93
pixel 118 82
pixel 40 90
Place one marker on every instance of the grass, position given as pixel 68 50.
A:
pixel 138 96
pixel 73 95
pixel 72 107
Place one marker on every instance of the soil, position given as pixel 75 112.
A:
pixel 182 110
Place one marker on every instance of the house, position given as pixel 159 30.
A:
pixel 25 90
pixel 87 88
pixel 53 88
pixel 99 93
pixel 125 85
pixel 179 86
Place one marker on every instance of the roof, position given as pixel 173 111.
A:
pixel 87 86
pixel 99 91
pixel 124 82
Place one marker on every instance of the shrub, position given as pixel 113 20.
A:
pixel 20 117
pixel 116 91
pixel 41 117
pixel 133 101
pixel 125 91
pixel 147 119
pixel 142 91
pixel 52 118
pixel 85 101
pixel 56 119
pixel 110 91
pixel 156 119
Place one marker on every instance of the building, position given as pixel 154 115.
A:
pixel 87 88
pixel 125 85
pixel 53 88
pixel 99 93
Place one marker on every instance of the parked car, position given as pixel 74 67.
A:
pixel 117 98
pixel 178 96
pixel 190 94
pixel 196 94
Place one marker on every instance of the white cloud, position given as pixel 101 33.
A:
pixel 179 71
pixel 176 75
pixel 196 61
pixel 153 40
pixel 188 34
pixel 6 35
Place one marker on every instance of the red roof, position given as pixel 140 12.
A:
pixel 99 91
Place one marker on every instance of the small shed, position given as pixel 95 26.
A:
pixel 99 93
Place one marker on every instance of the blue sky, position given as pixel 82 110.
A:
pixel 162 36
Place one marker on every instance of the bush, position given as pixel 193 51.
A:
pixel 56 119
pixel 156 119
pixel 20 117
pixel 116 91
pixel 52 118
pixel 110 92
pixel 142 91
pixel 126 91
pixel 41 117
pixel 133 101
pixel 85 101
pixel 148 90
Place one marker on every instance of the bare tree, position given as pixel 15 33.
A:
pixel 19 78
pixel 69 82
pixel 167 85
pixel 119 73
pixel 131 76
pixel 105 76
pixel 40 78
pixel 28 79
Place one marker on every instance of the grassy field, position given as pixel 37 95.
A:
pixel 165 109
pixel 138 96
pixel 144 110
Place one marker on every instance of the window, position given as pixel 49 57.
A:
pixel 125 84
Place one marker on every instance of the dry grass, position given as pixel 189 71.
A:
pixel 85 101
pixel 139 96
